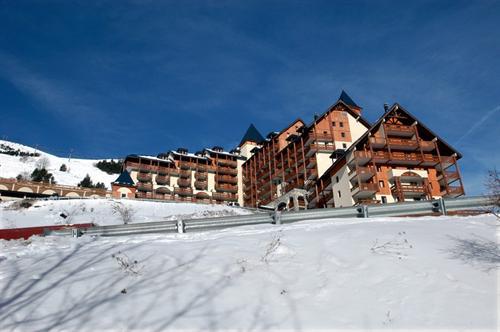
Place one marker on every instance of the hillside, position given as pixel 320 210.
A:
pixel 11 166
pixel 394 273
pixel 105 211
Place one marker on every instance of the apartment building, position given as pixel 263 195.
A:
pixel 208 176
pixel 292 160
pixel 398 159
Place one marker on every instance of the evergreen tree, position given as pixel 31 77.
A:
pixel 86 182
pixel 42 175
pixel 100 185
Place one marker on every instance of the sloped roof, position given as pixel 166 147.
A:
pixel 252 134
pixel 125 179
pixel 347 99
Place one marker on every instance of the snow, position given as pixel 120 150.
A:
pixel 377 273
pixel 103 211
pixel 12 166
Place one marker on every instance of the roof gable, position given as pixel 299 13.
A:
pixel 252 135
pixel 347 99
pixel 124 179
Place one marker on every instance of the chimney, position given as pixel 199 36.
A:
pixel 386 107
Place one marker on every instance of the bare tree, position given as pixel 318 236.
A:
pixel 42 163
pixel 126 213
pixel 493 190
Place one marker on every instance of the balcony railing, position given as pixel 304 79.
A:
pixel 227 170
pixel 201 185
pixel 184 182
pixel 183 191
pixel 399 130
pixel 162 179
pixel 227 162
pixel 226 179
pixel 226 188
pixel 187 164
pixel 365 172
pixel 454 191
pixel 163 190
pixel 368 187
pixel 144 177
pixel 185 173
pixel 409 189
pixel 144 186
pixel 201 175
pixel 225 197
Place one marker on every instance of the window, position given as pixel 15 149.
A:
pixel 384 200
pixel 379 169
pixel 342 134
pixel 344 145
pixel 325 132
pixel 338 193
pixel 381 184
pixel 337 179
pixel 124 195
pixel 333 124
pixel 341 124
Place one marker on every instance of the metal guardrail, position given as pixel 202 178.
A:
pixel 442 206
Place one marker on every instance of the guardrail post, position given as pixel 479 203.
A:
pixel 365 211
pixel 180 226
pixel 76 232
pixel 442 206
pixel 277 217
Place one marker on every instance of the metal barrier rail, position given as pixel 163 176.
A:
pixel 441 206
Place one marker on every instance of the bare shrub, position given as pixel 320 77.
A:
pixel 272 247
pixel 395 247
pixel 42 163
pixel 493 190
pixel 128 265
pixel 126 213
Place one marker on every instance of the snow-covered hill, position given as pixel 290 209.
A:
pixel 432 273
pixel 11 166
pixel 105 211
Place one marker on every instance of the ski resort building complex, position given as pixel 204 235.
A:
pixel 338 160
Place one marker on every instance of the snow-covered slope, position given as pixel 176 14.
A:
pixel 105 211
pixel 11 166
pixel 416 274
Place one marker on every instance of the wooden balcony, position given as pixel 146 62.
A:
pixel 184 182
pixel 402 144
pixel 409 190
pixel 361 173
pixel 429 160
pixel 453 191
pixel 226 179
pixel 361 157
pixel 399 130
pixel 225 197
pixel 427 145
pixel 164 170
pixel 187 165
pixel 201 176
pixel 162 179
pixel 364 189
pixel 315 147
pixel 144 177
pixel 144 186
pixel 227 162
pixel 312 174
pixel 163 190
pixel 319 137
pixel 185 173
pixel 377 142
pixel 201 185
pixel 226 188
pixel 368 201
pixel 227 170
pixel 202 168
pixel 311 162
pixel 449 176
pixel 405 158
pixel 183 191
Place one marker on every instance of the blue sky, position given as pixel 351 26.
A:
pixel 109 78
